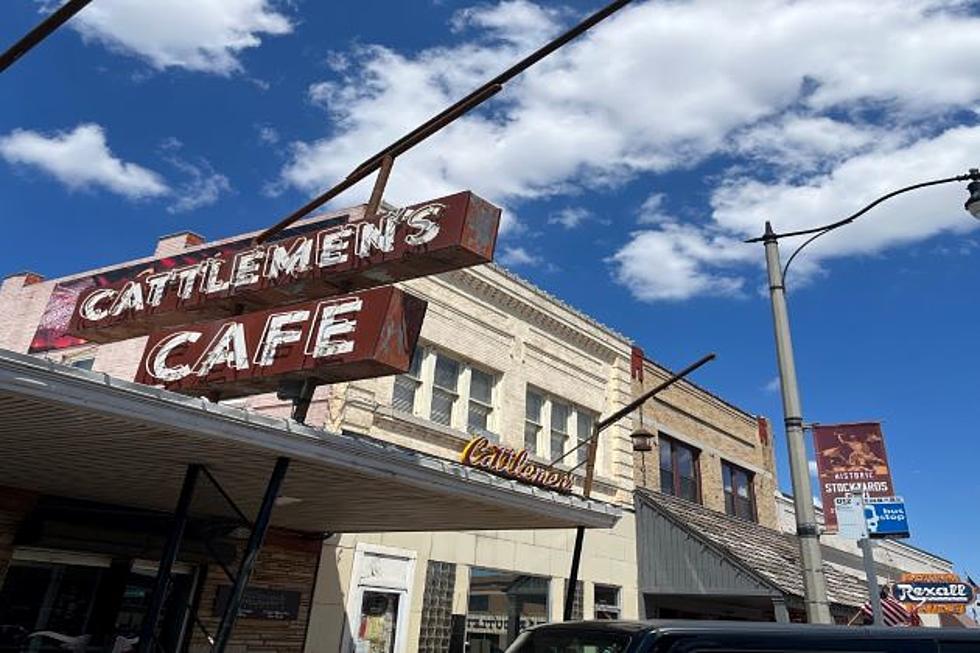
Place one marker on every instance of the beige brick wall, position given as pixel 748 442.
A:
pixel 718 430
pixel 609 557
pixel 485 317
pixel 286 562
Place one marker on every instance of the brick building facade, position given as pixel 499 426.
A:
pixel 498 358
pixel 716 435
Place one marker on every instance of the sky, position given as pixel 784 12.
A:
pixel 631 166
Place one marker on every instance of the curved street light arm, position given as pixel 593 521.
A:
pixel 973 175
pixel 800 249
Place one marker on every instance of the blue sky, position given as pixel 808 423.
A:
pixel 631 166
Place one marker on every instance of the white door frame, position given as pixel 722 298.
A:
pixel 368 574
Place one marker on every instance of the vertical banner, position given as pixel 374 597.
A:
pixel 851 459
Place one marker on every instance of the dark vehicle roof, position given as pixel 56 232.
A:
pixel 756 629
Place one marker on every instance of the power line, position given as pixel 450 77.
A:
pixel 41 32
pixel 440 120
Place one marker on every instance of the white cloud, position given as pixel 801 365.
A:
pixel 203 186
pixel 268 134
pixel 782 88
pixel 517 256
pixel 515 21
pixel 80 159
pixel 652 210
pixel 800 143
pixel 570 217
pixel 812 466
pixel 199 35
pixel 677 261
pixel 772 386
pixel 742 205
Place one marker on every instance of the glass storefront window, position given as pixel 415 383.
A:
pixel 91 604
pixel 606 600
pixel 501 605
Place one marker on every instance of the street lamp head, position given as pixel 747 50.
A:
pixel 642 439
pixel 973 203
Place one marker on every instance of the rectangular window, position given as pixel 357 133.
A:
pixel 739 493
pixel 606 601
pixel 501 604
pixel 559 428
pixel 481 403
pixel 407 385
pixel 533 405
pixel 679 470
pixel 444 390
pixel 583 432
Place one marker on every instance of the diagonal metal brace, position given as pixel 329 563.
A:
pixel 250 555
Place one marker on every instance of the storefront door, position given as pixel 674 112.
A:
pixel 57 601
pixel 381 590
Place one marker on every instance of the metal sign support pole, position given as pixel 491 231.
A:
pixel 170 551
pixel 868 551
pixel 250 555
pixel 867 548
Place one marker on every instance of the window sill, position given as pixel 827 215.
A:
pixel 444 435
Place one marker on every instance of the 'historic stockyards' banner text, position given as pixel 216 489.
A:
pixel 361 335
pixel 851 459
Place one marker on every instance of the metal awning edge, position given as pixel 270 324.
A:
pixel 41 378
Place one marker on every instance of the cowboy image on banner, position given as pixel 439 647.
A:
pixel 851 460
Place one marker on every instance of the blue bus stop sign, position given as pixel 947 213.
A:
pixel 886 517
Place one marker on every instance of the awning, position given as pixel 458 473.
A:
pixel 74 433
pixel 687 549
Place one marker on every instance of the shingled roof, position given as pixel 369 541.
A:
pixel 771 554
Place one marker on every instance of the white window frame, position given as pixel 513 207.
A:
pixel 492 432
pixel 415 379
pixel 460 413
pixel 542 416
pixel 617 607
pixel 460 392
pixel 573 437
pixel 583 451
pixel 567 432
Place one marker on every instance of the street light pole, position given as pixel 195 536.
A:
pixel 814 582
pixel 807 529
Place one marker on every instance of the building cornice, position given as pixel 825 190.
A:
pixel 540 309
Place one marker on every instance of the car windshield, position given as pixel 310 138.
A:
pixel 569 641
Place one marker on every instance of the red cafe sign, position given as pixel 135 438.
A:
pixel 510 463
pixel 371 333
pixel 444 234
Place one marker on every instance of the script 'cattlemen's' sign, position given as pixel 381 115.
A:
pixel 504 461
pixel 367 334
pixel 851 460
pixel 934 593
pixel 444 234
